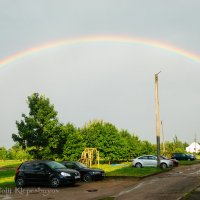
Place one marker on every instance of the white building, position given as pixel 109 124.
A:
pixel 193 148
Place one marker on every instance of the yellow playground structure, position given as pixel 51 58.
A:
pixel 89 156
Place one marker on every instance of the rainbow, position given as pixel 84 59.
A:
pixel 102 38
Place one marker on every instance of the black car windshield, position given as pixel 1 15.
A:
pixel 55 165
pixel 81 165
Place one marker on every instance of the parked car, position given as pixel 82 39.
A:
pixel 87 174
pixel 175 162
pixel 192 156
pixel 151 161
pixel 181 156
pixel 47 172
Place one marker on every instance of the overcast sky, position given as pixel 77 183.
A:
pixel 111 81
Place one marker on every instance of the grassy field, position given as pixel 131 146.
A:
pixel 7 172
pixel 9 163
pixel 126 169
pixel 7 178
pixel 8 168
pixel 188 162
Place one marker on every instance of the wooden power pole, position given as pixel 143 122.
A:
pixel 157 120
pixel 163 139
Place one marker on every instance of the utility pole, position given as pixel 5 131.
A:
pixel 195 140
pixel 163 139
pixel 157 120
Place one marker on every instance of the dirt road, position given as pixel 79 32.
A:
pixel 169 185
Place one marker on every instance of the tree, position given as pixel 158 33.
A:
pixel 35 130
pixel 147 148
pixel 74 146
pixel 131 147
pixel 175 147
pixel 3 153
pixel 179 146
pixel 105 137
pixel 17 153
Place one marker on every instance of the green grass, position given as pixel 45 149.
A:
pixel 9 163
pixel 189 162
pixel 135 172
pixel 7 174
pixel 128 170
pixel 7 178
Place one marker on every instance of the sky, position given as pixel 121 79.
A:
pixel 96 59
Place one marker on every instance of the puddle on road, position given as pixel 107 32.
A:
pixel 92 190
pixel 108 198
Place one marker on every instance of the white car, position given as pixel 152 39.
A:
pixel 151 161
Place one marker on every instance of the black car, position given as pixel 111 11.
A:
pixel 192 156
pixel 181 156
pixel 45 172
pixel 87 174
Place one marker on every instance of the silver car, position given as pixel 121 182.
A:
pixel 151 161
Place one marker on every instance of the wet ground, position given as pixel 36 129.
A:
pixel 174 184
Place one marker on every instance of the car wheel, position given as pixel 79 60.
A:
pixel 138 165
pixel 20 182
pixel 163 165
pixel 54 182
pixel 87 178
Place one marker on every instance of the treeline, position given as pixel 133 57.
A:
pixel 42 136
pixel 14 153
